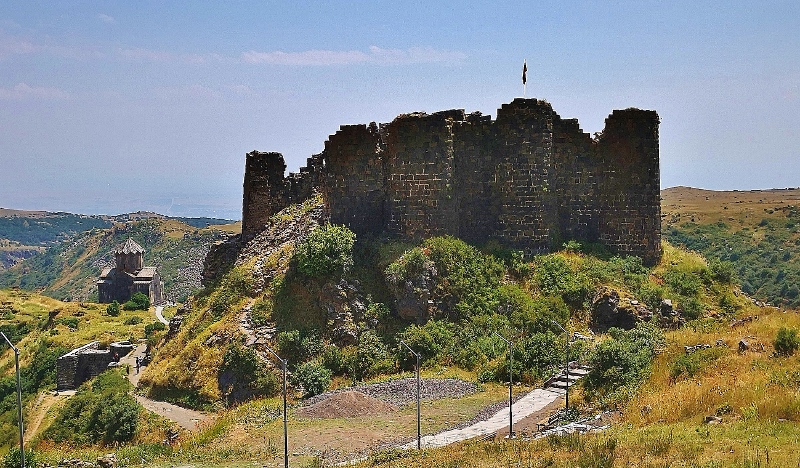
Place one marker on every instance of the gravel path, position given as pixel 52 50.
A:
pixel 402 392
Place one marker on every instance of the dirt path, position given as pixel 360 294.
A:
pixel 36 416
pixel 186 418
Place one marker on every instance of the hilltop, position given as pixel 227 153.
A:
pixel 337 305
pixel 758 231
pixel 24 234
pixel 68 269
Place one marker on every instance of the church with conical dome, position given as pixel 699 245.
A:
pixel 129 276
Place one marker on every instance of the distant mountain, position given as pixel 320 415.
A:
pixel 24 234
pixel 69 269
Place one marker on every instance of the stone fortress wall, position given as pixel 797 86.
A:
pixel 529 179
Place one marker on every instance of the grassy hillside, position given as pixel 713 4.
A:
pixel 758 231
pixel 337 307
pixel 43 329
pixel 69 270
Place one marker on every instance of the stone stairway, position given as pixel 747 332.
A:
pixel 559 382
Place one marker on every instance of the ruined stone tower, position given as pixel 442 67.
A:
pixel 529 179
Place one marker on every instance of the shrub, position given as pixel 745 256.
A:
pixel 139 301
pixel 623 361
pixel 243 375
pixel 683 282
pixel 314 377
pixel 427 340
pixel 70 322
pixel 298 346
pixel 691 307
pixel 722 271
pixel 554 277
pixel 134 320
pixel 786 342
pixel 333 358
pixel 151 328
pixel 14 460
pixel 369 358
pixel 102 411
pixel 467 279
pixel 690 364
pixel 113 309
pixel 328 250
pixel 533 315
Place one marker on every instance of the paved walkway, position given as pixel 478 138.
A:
pixel 160 317
pixel 186 418
pixel 522 408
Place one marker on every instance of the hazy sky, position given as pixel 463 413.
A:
pixel 117 106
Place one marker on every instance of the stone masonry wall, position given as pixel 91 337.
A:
pixel 529 179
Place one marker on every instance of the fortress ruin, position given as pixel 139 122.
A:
pixel 528 179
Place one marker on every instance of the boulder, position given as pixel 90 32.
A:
pixel 609 310
pixel 108 460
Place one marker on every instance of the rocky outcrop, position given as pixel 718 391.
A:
pixel 345 307
pixel 609 310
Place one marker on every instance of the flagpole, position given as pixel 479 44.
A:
pixel 524 79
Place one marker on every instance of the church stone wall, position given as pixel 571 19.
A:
pixel 528 179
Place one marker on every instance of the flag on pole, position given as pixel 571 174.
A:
pixel 524 72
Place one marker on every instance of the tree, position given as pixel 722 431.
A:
pixel 139 301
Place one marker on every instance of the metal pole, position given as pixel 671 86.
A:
pixel 419 428
pixel 510 383
pixel 285 422
pixel 566 361
pixel 285 413
pixel 19 402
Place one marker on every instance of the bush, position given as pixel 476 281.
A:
pixel 134 320
pixel 691 307
pixel 139 301
pixel 622 362
pixel 428 340
pixel 113 309
pixel 244 375
pixel 102 411
pixel 151 328
pixel 683 282
pixel 554 277
pixel 786 342
pixel 298 346
pixel 69 322
pixel 369 358
pixel 314 377
pixel 467 280
pixel 690 364
pixel 328 250
pixel 14 460
pixel 722 271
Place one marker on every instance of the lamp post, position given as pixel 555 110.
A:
pixel 19 402
pixel 285 415
pixel 510 383
pixel 419 430
pixel 566 361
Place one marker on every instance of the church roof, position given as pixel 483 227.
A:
pixel 146 273
pixel 129 247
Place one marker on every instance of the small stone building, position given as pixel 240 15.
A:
pixel 129 276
